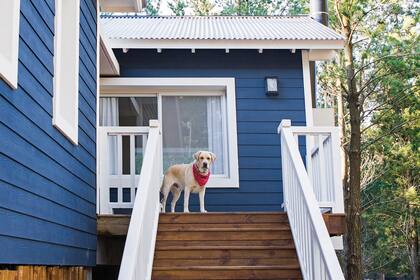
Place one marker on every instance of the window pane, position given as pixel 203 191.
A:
pixel 127 111
pixel 190 124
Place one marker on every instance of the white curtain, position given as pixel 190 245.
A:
pixel 108 111
pixel 215 132
pixel 108 116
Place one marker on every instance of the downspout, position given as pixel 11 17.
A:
pixel 319 12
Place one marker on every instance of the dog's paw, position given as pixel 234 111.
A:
pixel 203 211
pixel 186 211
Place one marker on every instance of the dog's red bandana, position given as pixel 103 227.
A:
pixel 200 178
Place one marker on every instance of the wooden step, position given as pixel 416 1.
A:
pixel 225 235
pixel 251 245
pixel 217 227
pixel 231 252
pixel 280 242
pixel 223 218
pixel 226 261
pixel 226 272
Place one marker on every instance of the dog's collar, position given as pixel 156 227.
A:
pixel 200 178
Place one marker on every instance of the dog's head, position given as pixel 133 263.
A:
pixel 204 160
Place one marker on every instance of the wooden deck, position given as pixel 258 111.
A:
pixel 117 225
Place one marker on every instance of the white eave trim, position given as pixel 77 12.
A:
pixel 122 6
pixel 319 55
pixel 108 58
pixel 225 44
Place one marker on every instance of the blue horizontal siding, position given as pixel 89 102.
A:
pixel 258 115
pixel 47 184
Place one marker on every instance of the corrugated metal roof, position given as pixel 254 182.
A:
pixel 216 28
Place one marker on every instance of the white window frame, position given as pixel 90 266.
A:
pixel 62 71
pixel 9 63
pixel 119 87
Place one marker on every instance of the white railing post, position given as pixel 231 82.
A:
pixel 284 125
pixel 314 248
pixel 336 163
pixel 137 260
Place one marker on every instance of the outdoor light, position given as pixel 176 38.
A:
pixel 271 86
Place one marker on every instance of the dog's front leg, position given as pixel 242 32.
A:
pixel 187 191
pixel 201 194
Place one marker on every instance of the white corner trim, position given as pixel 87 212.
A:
pixel 9 55
pixel 66 69
pixel 307 88
pixel 98 159
pixel 115 86
pixel 225 44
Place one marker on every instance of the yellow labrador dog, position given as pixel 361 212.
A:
pixel 188 178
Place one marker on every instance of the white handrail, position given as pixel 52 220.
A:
pixel 137 260
pixel 315 251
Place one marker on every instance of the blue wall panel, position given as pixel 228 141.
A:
pixel 47 184
pixel 257 115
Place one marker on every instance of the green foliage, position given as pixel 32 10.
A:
pixel 153 7
pixel 178 7
pixel 202 7
pixel 230 7
pixel 385 40
pixel 263 7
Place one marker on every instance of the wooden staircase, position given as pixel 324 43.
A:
pixel 225 246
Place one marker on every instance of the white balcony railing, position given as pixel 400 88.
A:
pixel 315 250
pixel 323 164
pixel 121 153
pixel 137 260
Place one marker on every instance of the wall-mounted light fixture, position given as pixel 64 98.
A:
pixel 271 86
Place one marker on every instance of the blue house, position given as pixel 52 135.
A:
pixel 82 157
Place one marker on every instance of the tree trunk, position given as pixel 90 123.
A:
pixel 342 125
pixel 353 215
pixel 343 153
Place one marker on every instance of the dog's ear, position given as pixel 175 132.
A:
pixel 213 157
pixel 197 155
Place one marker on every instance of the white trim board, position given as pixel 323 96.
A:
pixel 169 86
pixel 225 44
pixel 108 62
pixel 122 5
pixel 66 68
pixel 9 43
pixel 307 88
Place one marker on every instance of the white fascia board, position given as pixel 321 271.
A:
pixel 108 62
pixel 122 5
pixel 321 55
pixel 225 44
